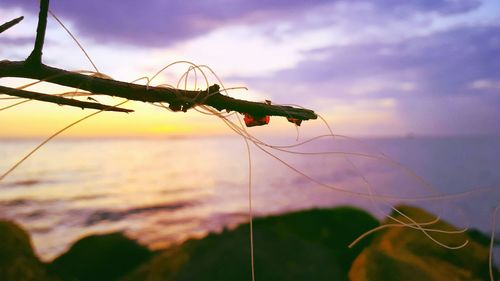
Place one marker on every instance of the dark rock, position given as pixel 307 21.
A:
pixel 402 253
pixel 308 245
pixel 100 257
pixel 481 238
pixel 17 259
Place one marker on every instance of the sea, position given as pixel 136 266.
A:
pixel 162 191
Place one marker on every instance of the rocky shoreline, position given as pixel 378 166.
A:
pixel 305 245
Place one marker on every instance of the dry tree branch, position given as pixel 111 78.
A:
pixel 10 24
pixel 36 55
pixel 59 100
pixel 177 98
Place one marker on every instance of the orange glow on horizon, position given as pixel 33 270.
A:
pixel 37 119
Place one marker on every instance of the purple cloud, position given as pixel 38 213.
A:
pixel 443 63
pixel 156 22
pixel 444 83
pixel 12 42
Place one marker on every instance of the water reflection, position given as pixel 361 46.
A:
pixel 163 191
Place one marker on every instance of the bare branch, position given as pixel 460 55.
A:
pixel 10 24
pixel 35 58
pixel 178 99
pixel 185 99
pixel 59 100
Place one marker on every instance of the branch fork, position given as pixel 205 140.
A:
pixel 179 100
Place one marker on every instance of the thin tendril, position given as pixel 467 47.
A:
pixel 50 138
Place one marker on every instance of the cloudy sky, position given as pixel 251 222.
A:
pixel 385 67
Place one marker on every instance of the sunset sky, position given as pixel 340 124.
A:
pixel 371 68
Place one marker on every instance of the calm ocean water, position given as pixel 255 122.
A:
pixel 162 191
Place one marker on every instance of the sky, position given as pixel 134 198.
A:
pixel 370 68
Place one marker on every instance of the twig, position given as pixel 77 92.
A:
pixel 178 99
pixel 10 24
pixel 59 100
pixel 35 58
pixel 151 94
